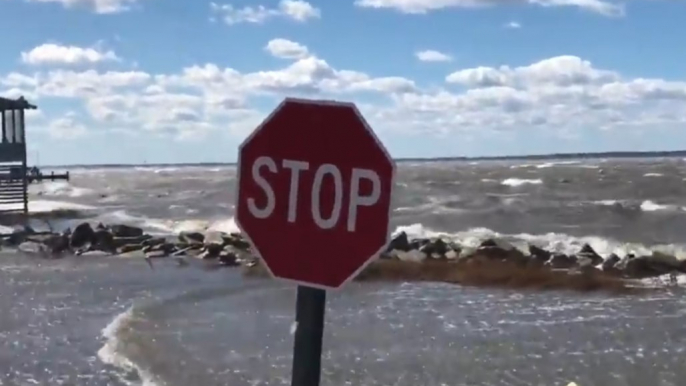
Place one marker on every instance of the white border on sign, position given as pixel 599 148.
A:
pixel 321 102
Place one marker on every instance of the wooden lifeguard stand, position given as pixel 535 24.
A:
pixel 13 169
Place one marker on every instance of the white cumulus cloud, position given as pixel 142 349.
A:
pixel 51 53
pixel 603 7
pixel 98 6
pixel 559 95
pixel 286 49
pixel 297 10
pixel 433 56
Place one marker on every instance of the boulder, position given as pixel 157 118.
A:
pixel 212 251
pixel 19 235
pixel 562 261
pixel 488 243
pixel 400 242
pixel 103 240
pixel 83 234
pixel 657 264
pixel 120 230
pixel 57 243
pixel 500 250
pixel 191 238
pixel 435 248
pixel 228 257
pixel 214 237
pixel 236 240
pixel 539 256
pixel 588 252
pixel 610 263
pixel 214 244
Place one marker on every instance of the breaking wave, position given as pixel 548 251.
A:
pixel 514 182
pixel 111 352
pixel 556 242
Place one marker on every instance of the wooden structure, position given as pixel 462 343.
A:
pixel 35 175
pixel 13 170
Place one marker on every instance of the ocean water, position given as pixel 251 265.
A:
pixel 97 320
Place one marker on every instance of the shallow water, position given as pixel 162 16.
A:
pixel 193 326
pixel 112 321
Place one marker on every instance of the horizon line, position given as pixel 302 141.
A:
pixel 541 157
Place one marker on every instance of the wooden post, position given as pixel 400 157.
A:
pixel 20 125
pixel 4 133
pixel 307 352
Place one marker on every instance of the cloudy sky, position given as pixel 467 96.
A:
pixel 130 81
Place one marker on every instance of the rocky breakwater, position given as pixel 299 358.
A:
pixel 494 262
pixel 124 240
pixel 497 263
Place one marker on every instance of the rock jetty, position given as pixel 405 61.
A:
pixel 118 239
pixel 493 262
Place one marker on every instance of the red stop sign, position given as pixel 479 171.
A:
pixel 314 192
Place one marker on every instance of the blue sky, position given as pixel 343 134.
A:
pixel 130 81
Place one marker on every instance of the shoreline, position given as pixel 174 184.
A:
pixel 494 263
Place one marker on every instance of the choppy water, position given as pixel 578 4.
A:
pixel 112 321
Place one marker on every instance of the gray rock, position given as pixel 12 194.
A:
pixel 83 234
pixel 589 253
pixel 562 261
pixel 435 248
pixel 191 238
pixel 103 240
pixel 236 240
pixel 610 263
pixel 657 264
pixel 539 256
pixel 400 243
pixel 119 230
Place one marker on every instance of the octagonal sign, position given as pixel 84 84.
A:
pixel 314 192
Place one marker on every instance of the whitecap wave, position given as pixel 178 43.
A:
pixel 555 242
pixel 545 165
pixel 46 206
pixel 645 206
pixel 170 226
pixel 58 189
pixel 653 175
pixel 521 166
pixel 514 182
pixel 558 163
pixel 111 354
pixel 608 202
pixel 650 206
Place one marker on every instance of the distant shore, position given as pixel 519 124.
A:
pixel 532 157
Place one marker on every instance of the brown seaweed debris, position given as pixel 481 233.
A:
pixel 483 274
